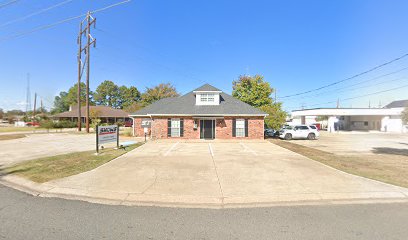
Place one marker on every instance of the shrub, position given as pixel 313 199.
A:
pixel 47 124
pixel 120 124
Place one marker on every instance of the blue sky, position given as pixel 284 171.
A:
pixel 296 45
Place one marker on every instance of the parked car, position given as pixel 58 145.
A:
pixel 299 132
pixel 268 132
pixel 32 124
pixel 128 124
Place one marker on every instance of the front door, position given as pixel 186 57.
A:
pixel 207 129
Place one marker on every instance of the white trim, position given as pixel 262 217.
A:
pixel 203 115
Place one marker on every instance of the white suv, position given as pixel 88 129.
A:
pixel 299 132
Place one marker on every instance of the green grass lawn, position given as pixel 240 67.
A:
pixel 11 136
pixel 49 168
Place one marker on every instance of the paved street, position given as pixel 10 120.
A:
pixel 27 217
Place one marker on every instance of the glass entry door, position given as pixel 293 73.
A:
pixel 207 129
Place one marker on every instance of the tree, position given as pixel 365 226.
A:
pixel 1 113
pixel 276 115
pixel 404 116
pixel 257 93
pixel 64 100
pixel 94 115
pixel 60 103
pixel 163 90
pixel 107 94
pixel 133 107
pixel 128 96
pixel 72 96
pixel 252 90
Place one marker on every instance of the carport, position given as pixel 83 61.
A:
pixel 360 119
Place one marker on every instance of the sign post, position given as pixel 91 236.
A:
pixel 107 134
pixel 97 139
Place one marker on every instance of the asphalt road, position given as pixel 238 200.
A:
pixel 27 217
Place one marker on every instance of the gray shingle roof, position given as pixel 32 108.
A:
pixel 397 104
pixel 185 105
pixel 207 87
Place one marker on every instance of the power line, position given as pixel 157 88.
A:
pixel 349 78
pixel 8 3
pixel 352 85
pixel 60 22
pixel 35 13
pixel 365 95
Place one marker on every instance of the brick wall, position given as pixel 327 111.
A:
pixel 255 128
pixel 223 128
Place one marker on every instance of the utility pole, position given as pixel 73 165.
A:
pixel 28 96
pixel 35 104
pixel 275 95
pixel 79 41
pixel 89 21
pixel 338 102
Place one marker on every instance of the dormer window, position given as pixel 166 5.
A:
pixel 207 97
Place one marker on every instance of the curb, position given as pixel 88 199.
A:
pixel 40 190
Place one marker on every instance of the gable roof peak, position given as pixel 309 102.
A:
pixel 207 87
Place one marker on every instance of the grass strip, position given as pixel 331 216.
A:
pixel 388 168
pixel 11 136
pixel 50 168
pixel 20 129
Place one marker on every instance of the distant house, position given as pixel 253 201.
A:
pixel 204 113
pixel 105 113
pixel 386 119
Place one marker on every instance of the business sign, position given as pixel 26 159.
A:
pixel 146 123
pixel 107 134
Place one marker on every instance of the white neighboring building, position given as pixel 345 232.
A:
pixel 387 119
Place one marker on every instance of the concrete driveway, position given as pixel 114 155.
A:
pixel 219 173
pixel 42 145
pixel 355 143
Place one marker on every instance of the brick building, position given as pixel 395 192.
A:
pixel 204 113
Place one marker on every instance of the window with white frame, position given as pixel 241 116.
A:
pixel 240 128
pixel 175 127
pixel 205 97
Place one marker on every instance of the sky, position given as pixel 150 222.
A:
pixel 296 45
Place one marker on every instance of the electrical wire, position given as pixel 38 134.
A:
pixel 60 22
pixel 8 3
pixel 365 95
pixel 337 90
pixel 349 78
pixel 35 13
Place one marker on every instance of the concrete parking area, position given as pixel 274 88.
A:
pixel 219 173
pixel 352 143
pixel 42 145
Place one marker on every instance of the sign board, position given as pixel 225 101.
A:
pixel 146 123
pixel 107 134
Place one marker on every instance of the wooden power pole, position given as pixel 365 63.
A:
pixel 89 21
pixel 79 41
